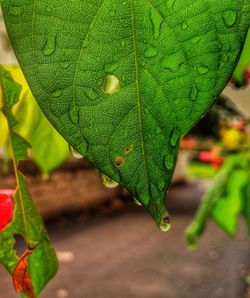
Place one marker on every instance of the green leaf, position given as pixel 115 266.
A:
pixel 26 222
pixel 113 74
pixel 244 62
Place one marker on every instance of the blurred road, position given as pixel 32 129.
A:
pixel 121 254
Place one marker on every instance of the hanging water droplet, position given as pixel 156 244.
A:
pixel 49 46
pixel 57 93
pixel 173 62
pixel 65 64
pixel 165 223
pixel 202 69
pixel 161 185
pixel 111 84
pixel 150 52
pixel 169 161
pixel 193 93
pixel 175 137
pixel 16 11
pixel 74 116
pixel 184 25
pixel 157 22
pixel 137 202
pixel 90 93
pixel 170 3
pixel 229 17
pixel 74 153
pixel 107 181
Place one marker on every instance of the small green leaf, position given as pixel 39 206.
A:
pixel 118 74
pixel 26 222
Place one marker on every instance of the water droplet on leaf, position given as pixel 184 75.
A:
pixel 165 224
pixel 111 84
pixel 74 153
pixel 175 137
pixel 169 161
pixel 229 17
pixel 150 52
pixel 16 11
pixel 107 181
pixel 57 93
pixel 202 69
pixel 49 46
pixel 156 21
pixel 173 62
pixel 119 160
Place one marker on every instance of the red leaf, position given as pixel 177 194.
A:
pixel 6 207
pixel 20 276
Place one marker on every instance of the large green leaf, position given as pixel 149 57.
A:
pixel 124 80
pixel 26 221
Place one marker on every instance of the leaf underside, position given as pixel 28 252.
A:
pixel 124 80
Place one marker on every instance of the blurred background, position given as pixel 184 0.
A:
pixel 107 245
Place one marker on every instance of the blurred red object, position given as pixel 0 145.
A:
pixel 247 75
pixel 188 143
pixel 211 157
pixel 6 207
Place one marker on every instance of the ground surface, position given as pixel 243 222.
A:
pixel 121 254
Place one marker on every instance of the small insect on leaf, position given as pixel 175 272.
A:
pixel 6 207
pixel 20 276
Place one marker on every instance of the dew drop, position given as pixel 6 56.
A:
pixel 74 116
pixel 57 93
pixel 202 69
pixel 74 153
pixel 90 93
pixel 119 160
pixel 165 223
pixel 173 62
pixel 184 25
pixel 169 161
pixel 175 137
pixel 107 181
pixel 150 52
pixel 161 185
pixel 111 84
pixel 49 46
pixel 193 93
pixel 16 11
pixel 229 17
pixel 137 202
pixel 65 65
pixel 156 21
pixel 170 3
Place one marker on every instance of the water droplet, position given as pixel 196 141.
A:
pixel 16 11
pixel 196 39
pixel 137 202
pixel 173 62
pixel 175 137
pixel 202 69
pixel 74 116
pixel 150 52
pixel 90 93
pixel 229 17
pixel 170 3
pixel 193 93
pixel 184 25
pixel 111 67
pixel 57 93
pixel 74 153
pixel 165 223
pixel 119 160
pixel 161 185
pixel 65 65
pixel 169 161
pixel 49 46
pixel 111 84
pixel 156 21
pixel 107 181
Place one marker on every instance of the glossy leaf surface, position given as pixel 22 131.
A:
pixel 124 80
